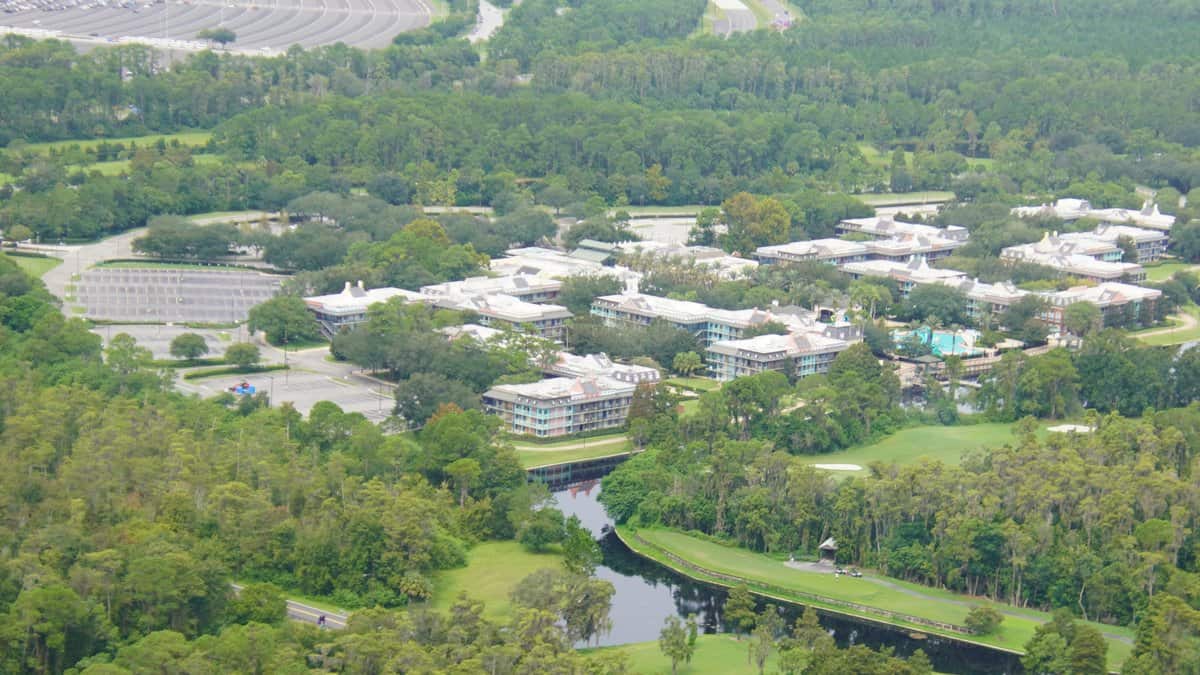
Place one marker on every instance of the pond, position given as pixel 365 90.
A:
pixel 647 593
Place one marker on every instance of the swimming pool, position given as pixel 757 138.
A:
pixel 942 342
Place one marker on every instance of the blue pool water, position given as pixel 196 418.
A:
pixel 943 343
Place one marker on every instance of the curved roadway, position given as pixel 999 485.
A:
pixel 259 24
pixel 735 17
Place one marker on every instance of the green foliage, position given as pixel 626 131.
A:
pixel 174 237
pixel 285 319
pixel 243 354
pixel 222 36
pixel 581 551
pixel 937 305
pixel 674 643
pixel 423 394
pixel 188 346
pixel 739 609
pixel 544 528
pixel 983 620
pixel 257 603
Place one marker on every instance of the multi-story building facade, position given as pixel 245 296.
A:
pixel 798 354
pixel 347 309
pixel 560 406
pixel 707 324
pixel 1119 303
pixel 907 275
pixel 1083 257
pixel 1150 245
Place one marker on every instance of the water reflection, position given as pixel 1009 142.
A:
pixel 647 593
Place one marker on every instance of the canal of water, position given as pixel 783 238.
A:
pixel 647 593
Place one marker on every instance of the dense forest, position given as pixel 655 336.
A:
pixel 127 509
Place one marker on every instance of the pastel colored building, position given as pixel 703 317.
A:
pixel 799 354
pixel 1117 302
pixel 560 406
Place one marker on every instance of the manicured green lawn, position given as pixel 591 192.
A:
pixel 1179 336
pixel 947 444
pixel 522 443
pixel 694 383
pixel 532 458
pixel 1164 271
pixel 689 407
pixel 715 655
pixel 189 138
pixel 493 570
pixel 35 266
pixel 871 591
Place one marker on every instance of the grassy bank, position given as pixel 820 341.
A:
pixel 715 655
pixel 879 598
pixel 493 570
pixel 947 444
pixel 530 459
pixel 1165 270
pixel 571 450
pixel 35 266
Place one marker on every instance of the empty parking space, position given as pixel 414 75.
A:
pixel 164 295
pixel 158 338
pixel 304 390
pixel 258 24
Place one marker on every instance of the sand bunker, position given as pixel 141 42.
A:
pixel 839 467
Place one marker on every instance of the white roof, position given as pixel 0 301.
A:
pixel 472 330
pixel 593 365
pixel 1079 264
pixel 504 307
pixel 780 346
pixel 887 226
pixel 356 299
pixel 814 247
pixel 1107 232
pixel 574 388
pixel 1103 294
pixel 513 284
pixel 916 270
pixel 551 264
pixel 1074 209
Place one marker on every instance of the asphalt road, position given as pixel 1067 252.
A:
pixel 735 17
pixel 298 611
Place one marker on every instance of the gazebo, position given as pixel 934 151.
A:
pixel 829 550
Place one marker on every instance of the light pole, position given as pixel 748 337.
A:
pixel 271 395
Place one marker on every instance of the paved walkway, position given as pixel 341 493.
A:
pixel 1187 322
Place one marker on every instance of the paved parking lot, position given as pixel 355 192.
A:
pixel 167 295
pixel 304 389
pixel 157 338
pixel 258 24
